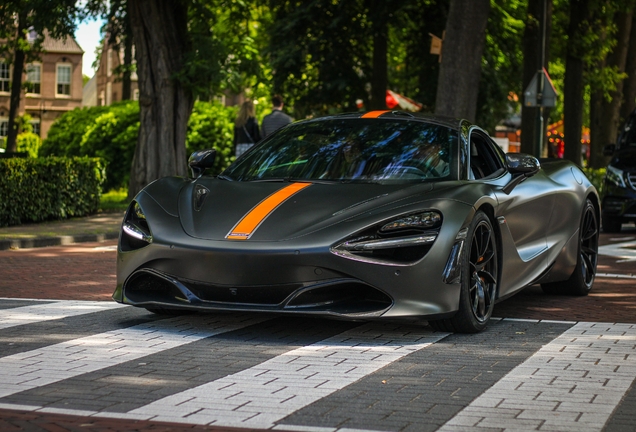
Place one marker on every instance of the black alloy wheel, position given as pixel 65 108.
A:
pixel 479 281
pixel 483 271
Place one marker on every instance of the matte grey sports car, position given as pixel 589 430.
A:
pixel 362 216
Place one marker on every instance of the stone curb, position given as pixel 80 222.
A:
pixel 56 241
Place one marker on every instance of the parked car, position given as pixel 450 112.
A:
pixel 619 185
pixel 382 215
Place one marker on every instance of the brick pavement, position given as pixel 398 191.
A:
pixel 87 271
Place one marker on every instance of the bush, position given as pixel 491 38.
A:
pixel 211 125
pixel 33 190
pixel 29 142
pixel 26 142
pixel 109 133
pixel 595 176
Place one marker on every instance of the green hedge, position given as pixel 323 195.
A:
pixel 34 190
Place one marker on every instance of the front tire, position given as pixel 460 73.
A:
pixel 479 279
pixel 581 281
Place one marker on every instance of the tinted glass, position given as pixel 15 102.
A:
pixel 360 150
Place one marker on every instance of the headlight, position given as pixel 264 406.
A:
pixel 614 175
pixel 401 241
pixel 136 231
pixel 424 220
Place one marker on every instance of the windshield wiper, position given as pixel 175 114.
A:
pixel 224 177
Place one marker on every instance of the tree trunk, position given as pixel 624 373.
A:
pixel 379 79
pixel 596 112
pixel 629 89
pixel 379 11
pixel 160 33
pixel 126 81
pixel 460 70
pixel 16 84
pixel 532 46
pixel 610 110
pixel 531 40
pixel 573 81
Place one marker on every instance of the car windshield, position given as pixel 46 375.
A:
pixel 356 150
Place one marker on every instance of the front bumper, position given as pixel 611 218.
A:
pixel 297 275
pixel 619 202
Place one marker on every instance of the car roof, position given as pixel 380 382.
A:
pixel 449 122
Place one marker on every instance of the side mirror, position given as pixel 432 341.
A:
pixel 201 160
pixel 521 166
pixel 520 163
pixel 609 150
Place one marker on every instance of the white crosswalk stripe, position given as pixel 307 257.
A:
pixel 65 360
pixel 571 384
pixel 51 311
pixel 574 381
pixel 264 394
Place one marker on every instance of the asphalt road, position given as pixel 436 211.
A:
pixel 70 359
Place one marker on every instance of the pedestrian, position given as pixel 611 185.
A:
pixel 277 118
pixel 246 132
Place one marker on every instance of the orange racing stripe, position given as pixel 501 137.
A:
pixel 374 114
pixel 251 221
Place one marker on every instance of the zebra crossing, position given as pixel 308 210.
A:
pixel 98 359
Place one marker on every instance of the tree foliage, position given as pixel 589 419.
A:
pixel 110 133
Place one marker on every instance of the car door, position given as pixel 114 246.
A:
pixel 522 215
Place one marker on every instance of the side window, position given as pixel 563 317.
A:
pixel 484 160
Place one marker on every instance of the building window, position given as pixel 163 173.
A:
pixel 4 127
pixel 4 77
pixel 63 80
pixel 33 78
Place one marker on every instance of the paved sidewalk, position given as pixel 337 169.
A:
pixel 94 228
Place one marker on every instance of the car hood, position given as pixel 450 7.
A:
pixel 625 159
pixel 272 211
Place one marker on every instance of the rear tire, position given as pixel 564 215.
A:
pixel 479 279
pixel 581 281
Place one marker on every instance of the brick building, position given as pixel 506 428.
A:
pixel 108 84
pixel 53 85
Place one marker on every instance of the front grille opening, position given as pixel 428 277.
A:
pixel 256 294
pixel 348 298
pixel 145 287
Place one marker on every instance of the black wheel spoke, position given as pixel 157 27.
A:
pixel 588 250
pixel 483 271
pixel 479 300
pixel 588 266
pixel 487 277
